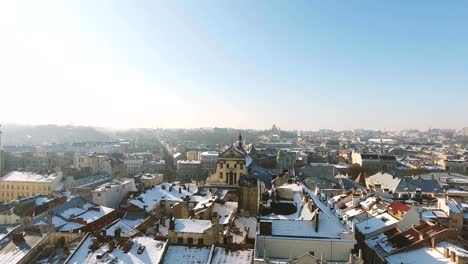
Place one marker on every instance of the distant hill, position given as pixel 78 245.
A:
pixel 45 134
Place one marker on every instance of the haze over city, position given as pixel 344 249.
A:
pixel 242 64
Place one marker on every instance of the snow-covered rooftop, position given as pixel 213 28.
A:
pixel 223 256
pixel 427 254
pixel 28 177
pixel 192 225
pixel 375 223
pixel 186 255
pixel 225 211
pixel 164 191
pixel 152 253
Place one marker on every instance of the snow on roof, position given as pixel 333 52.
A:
pixel 247 222
pixel 426 254
pixel 28 177
pixel 355 211
pixel 368 202
pixel 305 228
pixel 225 211
pixel 429 215
pixel 14 252
pixel 163 191
pixel 70 226
pixel 453 206
pixel 58 222
pixel 224 256
pixel 375 223
pixel 192 225
pixel 93 215
pixel 188 255
pixel 373 241
pixel 326 216
pixel 69 212
pixel 152 253
pixel 386 180
pixel 42 199
pixel 126 230
pixel 202 201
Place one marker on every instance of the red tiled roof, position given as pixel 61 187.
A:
pixel 398 206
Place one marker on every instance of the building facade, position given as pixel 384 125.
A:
pixel 18 184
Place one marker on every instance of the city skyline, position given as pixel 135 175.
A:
pixel 301 66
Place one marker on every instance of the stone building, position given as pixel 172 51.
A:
pixel 285 160
pixel 232 164
pixel 18 184
pixel 188 170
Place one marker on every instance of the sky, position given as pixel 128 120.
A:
pixel 242 64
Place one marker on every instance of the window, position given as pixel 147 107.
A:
pixel 235 166
pixel 200 241
pixel 220 175
pixel 180 240
pixel 227 165
pixel 242 166
pixel 190 241
pixel 220 165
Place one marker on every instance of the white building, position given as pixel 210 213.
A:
pixel 312 230
pixel 112 193
pixel 98 163
pixel 134 166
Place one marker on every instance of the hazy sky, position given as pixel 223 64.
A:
pixel 242 64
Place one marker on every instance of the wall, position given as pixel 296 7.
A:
pixel 279 247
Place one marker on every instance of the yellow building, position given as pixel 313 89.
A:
pixel 232 164
pixel 17 184
pixel 192 155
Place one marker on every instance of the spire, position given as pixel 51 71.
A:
pixel 240 139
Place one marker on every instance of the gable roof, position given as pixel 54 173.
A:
pixel 233 152
pixel 398 206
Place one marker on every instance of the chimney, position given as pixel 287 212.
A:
pixel 453 256
pixel 18 237
pixel 214 218
pixel 266 228
pixel 433 242
pixel 316 221
pixel 157 228
pixel 180 189
pixel 172 224
pixel 356 197
pixel 111 246
pixel 446 253
pixel 95 244
pixel 117 232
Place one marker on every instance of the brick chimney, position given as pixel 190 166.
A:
pixel 453 256
pixel 446 253
pixel 118 232
pixel 111 246
pixel 172 224
pixel 95 244
pixel 18 237
pixel 316 221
